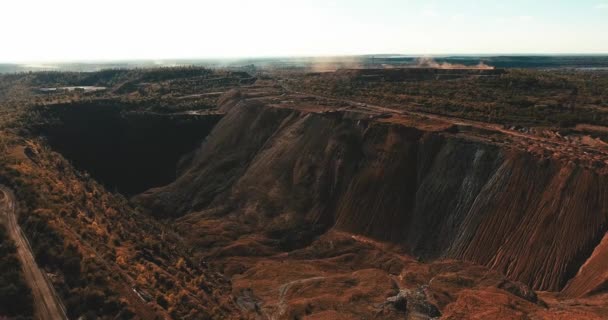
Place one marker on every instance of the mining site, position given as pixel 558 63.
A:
pixel 368 192
pixel 303 160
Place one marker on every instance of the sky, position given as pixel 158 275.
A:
pixel 94 30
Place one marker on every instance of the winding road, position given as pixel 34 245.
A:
pixel 47 304
pixel 574 149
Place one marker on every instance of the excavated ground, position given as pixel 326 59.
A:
pixel 127 151
pixel 320 208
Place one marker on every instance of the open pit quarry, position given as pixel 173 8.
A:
pixel 319 206
pixel 271 201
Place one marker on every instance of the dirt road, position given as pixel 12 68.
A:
pixel 47 304
pixel 558 146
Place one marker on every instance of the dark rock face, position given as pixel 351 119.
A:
pixel 592 276
pixel 414 303
pixel 126 151
pixel 437 193
pixel 519 290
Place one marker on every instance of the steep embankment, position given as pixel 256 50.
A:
pixel 126 150
pixel 593 275
pixel 438 189
pixel 105 259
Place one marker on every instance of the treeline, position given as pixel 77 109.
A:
pixel 559 98
pixel 107 77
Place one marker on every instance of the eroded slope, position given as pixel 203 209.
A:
pixel 282 168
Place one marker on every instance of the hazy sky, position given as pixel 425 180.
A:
pixel 61 30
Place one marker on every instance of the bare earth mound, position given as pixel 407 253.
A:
pixel 318 207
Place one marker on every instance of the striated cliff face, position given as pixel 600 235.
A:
pixel 592 278
pixel 439 190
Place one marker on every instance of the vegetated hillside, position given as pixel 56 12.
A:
pixel 15 295
pixel 105 259
pixel 437 189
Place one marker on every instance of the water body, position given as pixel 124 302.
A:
pixel 75 88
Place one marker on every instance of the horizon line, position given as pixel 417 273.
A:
pixel 240 58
